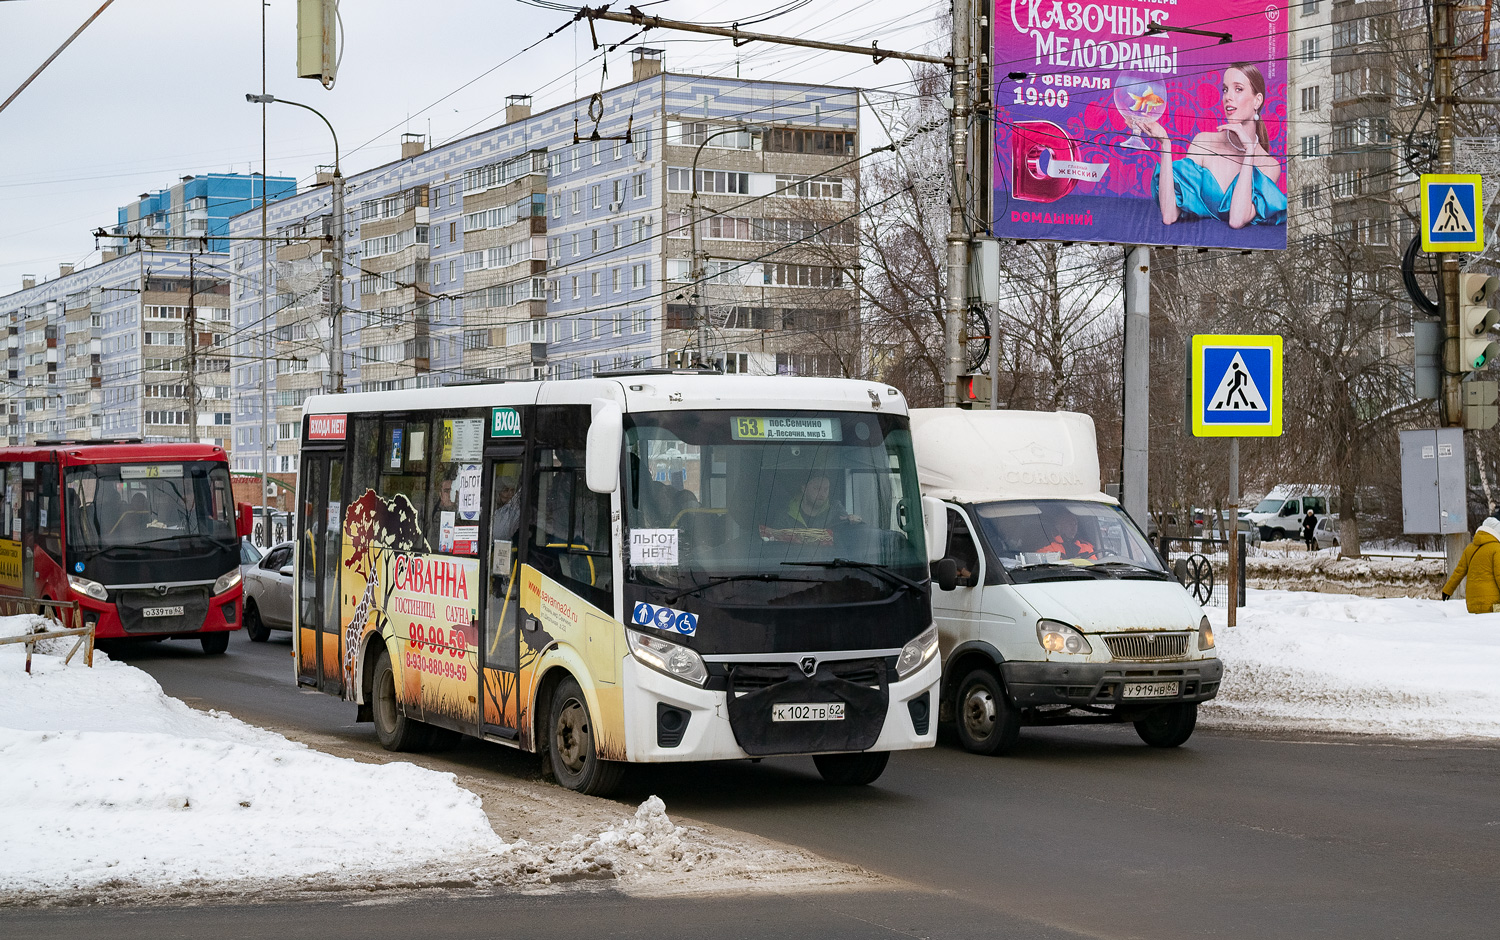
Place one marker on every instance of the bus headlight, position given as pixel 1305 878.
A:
pixel 226 581
pixel 88 588
pixel 915 654
pixel 674 659
pixel 1205 634
pixel 1057 637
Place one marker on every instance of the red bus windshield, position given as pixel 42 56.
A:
pixel 137 504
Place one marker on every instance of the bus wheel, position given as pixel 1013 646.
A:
pixel 1169 725
pixel 571 748
pixel 852 770
pixel 987 722
pixel 255 628
pixel 396 731
pixel 214 644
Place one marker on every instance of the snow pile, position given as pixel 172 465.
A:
pixel 110 785
pixel 647 841
pixel 1326 570
pixel 1407 667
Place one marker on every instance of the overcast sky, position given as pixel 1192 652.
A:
pixel 154 89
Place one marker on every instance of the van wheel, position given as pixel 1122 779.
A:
pixel 852 770
pixel 987 722
pixel 214 644
pixel 572 745
pixel 1278 534
pixel 396 731
pixel 255 628
pixel 1169 725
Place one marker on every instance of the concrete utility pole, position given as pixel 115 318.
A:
pixel 1451 404
pixel 958 224
pixel 265 314
pixel 1136 431
pixel 190 344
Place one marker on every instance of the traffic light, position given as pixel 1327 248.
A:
pixel 974 390
pixel 1475 317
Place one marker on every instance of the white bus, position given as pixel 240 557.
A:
pixel 640 567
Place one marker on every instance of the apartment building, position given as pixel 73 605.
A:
pixel 558 245
pixel 182 216
pixel 1309 102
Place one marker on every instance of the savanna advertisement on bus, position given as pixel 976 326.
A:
pixel 1153 122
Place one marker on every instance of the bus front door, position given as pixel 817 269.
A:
pixel 499 649
pixel 319 542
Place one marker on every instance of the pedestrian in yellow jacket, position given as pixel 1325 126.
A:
pixel 1481 565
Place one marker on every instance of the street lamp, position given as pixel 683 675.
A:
pixel 700 312
pixel 336 303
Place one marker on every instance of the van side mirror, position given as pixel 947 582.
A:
pixel 602 459
pixel 945 573
pixel 935 527
pixel 244 521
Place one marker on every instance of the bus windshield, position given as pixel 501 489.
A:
pixel 770 495
pixel 131 505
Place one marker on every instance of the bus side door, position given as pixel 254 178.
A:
pixel 499 647
pixel 320 660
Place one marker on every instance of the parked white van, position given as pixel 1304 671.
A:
pixel 1052 608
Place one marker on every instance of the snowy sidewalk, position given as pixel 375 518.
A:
pixel 111 790
pixel 1406 667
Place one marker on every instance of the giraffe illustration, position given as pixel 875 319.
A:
pixel 355 630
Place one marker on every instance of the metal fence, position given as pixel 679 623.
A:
pixel 1204 572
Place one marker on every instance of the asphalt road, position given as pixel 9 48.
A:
pixel 1082 832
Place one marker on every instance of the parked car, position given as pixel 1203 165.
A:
pixel 268 593
pixel 250 556
pixel 1327 532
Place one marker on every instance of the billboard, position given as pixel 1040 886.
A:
pixel 1122 130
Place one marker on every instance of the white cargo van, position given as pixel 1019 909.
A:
pixel 1051 608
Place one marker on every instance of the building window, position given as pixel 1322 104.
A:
pixel 576 156
pixel 1310 98
pixel 598 149
pixel 638 276
pixel 557 205
pixel 614 276
pixel 577 201
pixel 1312 196
pixel 1309 7
pixel 594 240
pixel 594 195
pixel 1310 145
pixel 1310 49
pixel 639 326
pixel 594 283
pixel 575 287
pixel 640 186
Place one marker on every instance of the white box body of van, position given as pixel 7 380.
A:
pixel 1045 556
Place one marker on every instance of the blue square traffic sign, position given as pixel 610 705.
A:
pixel 1452 212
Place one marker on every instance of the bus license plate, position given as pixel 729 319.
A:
pixel 161 612
pixel 1151 689
pixel 818 711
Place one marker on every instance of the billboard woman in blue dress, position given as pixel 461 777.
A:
pixel 1228 173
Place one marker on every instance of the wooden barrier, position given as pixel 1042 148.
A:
pixel 58 613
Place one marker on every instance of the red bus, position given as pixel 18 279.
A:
pixel 146 537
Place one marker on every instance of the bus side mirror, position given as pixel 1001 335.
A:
pixel 602 458
pixel 935 526
pixel 244 520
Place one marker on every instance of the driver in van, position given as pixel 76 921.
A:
pixel 1065 540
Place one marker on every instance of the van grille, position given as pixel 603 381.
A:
pixel 1147 645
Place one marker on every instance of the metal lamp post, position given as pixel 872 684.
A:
pixel 700 311
pixel 336 302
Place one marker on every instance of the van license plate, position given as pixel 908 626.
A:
pixel 161 612
pixel 819 711
pixel 1151 689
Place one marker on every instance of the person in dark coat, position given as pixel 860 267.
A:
pixel 1309 527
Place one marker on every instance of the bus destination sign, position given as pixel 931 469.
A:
pixel 785 429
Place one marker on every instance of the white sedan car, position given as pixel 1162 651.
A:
pixel 268 593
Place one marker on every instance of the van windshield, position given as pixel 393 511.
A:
pixel 1030 533
pixel 1269 505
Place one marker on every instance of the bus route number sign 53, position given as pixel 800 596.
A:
pixel 798 428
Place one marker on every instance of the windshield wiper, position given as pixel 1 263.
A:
pixel 725 579
pixel 890 576
pixel 1132 568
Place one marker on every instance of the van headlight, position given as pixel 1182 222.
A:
pixel 1057 637
pixel 88 588
pixel 226 581
pixel 674 659
pixel 1205 634
pixel 916 653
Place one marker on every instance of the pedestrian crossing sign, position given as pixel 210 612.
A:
pixel 1452 212
pixel 1234 386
